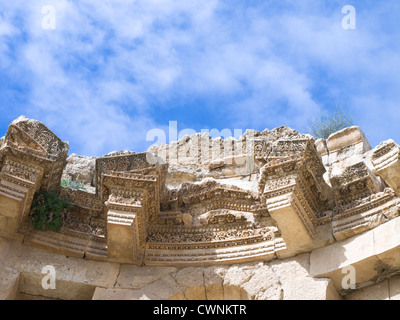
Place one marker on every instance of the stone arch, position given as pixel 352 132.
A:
pixel 237 282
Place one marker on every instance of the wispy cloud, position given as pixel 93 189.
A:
pixel 112 70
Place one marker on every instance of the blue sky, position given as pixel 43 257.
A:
pixel 113 70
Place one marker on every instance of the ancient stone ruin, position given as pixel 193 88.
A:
pixel 272 215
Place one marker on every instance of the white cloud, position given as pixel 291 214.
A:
pixel 96 79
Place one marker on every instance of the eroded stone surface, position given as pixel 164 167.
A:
pixel 80 169
pixel 270 215
pixel 21 275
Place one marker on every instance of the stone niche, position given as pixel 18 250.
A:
pixel 204 217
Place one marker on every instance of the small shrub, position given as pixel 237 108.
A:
pixel 67 183
pixel 49 211
pixel 329 123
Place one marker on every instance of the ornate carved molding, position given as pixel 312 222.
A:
pixel 133 217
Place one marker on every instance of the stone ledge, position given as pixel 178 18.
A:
pixel 21 277
pixel 375 254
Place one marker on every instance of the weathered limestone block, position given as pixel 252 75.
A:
pixel 72 245
pixel 192 282
pixel 86 214
pixel 170 254
pixel 354 182
pixel 123 237
pixel 366 214
pixel 231 219
pixel 297 284
pixel 214 282
pixel 21 277
pixel 386 161
pixel 10 210
pixel 346 145
pixel 242 165
pixel 9 283
pixel 82 233
pixel 30 288
pixel 379 291
pixel 361 202
pixel 131 185
pixel 263 284
pixel 394 288
pixel 374 254
pixel 357 251
pixel 80 169
pixel 388 289
pixel 178 175
pixel 74 278
pixel 217 157
pixel 32 158
pixel 138 277
pixel 322 150
pixel 165 288
pixel 200 150
pixel 224 224
pixel 31 141
pixel 142 163
pixel 18 183
pixel 9 274
pixel 297 197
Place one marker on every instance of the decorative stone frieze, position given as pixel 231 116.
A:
pixel 268 195
pixel 297 197
pixel 386 161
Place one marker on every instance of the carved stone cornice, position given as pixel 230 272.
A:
pixel 136 215
pixel 33 143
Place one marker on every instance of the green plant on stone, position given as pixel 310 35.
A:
pixel 49 211
pixel 67 183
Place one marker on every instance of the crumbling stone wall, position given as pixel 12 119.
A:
pixel 266 216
